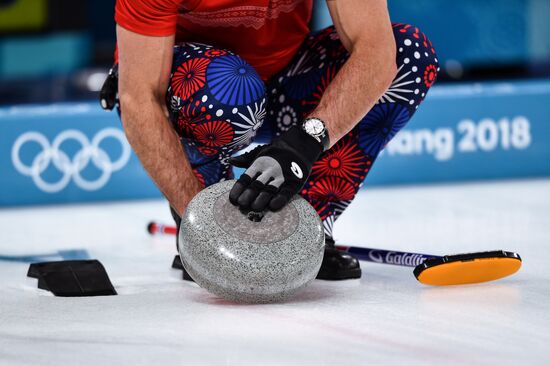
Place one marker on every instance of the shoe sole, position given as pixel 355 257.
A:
pixel 342 275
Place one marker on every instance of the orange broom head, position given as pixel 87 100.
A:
pixel 461 269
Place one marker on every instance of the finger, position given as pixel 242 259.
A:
pixel 246 159
pixel 255 189
pixel 238 188
pixel 241 161
pixel 250 193
pixel 261 202
pixel 264 177
pixel 280 200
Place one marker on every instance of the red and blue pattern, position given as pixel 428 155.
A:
pixel 380 125
pixel 217 103
pixel 189 77
pixel 233 81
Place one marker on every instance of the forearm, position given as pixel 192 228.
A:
pixel 361 81
pixel 158 147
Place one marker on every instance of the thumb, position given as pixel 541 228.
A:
pixel 246 159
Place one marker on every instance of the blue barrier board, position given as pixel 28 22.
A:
pixel 67 153
pixel 472 132
pixel 472 32
pixel 77 152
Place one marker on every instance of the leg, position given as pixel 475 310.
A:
pixel 295 92
pixel 339 173
pixel 216 103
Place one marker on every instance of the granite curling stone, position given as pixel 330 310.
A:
pixel 250 258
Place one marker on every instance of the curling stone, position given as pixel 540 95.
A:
pixel 255 258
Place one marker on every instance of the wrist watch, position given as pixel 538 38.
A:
pixel 316 128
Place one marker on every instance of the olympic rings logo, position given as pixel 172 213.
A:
pixel 90 152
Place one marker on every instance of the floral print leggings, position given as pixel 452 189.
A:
pixel 219 105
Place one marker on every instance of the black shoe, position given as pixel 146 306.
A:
pixel 176 264
pixel 338 265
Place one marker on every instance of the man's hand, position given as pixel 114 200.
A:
pixel 276 171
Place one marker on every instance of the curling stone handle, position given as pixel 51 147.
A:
pixel 255 216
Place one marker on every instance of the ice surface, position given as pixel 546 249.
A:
pixel 387 317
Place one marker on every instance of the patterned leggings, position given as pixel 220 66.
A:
pixel 218 105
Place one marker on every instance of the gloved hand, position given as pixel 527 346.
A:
pixel 276 171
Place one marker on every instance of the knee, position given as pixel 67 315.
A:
pixel 414 49
pixel 215 98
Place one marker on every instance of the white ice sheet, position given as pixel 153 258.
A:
pixel 387 317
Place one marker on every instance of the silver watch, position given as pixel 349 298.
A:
pixel 316 128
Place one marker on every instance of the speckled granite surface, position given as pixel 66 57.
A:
pixel 245 261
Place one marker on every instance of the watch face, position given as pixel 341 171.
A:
pixel 314 127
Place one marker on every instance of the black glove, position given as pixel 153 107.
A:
pixel 108 95
pixel 276 171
